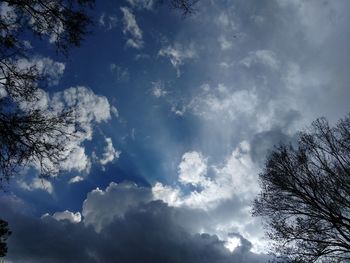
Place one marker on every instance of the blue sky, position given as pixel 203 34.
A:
pixel 180 113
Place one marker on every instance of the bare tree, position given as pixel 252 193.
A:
pixel 185 6
pixel 30 134
pixel 305 195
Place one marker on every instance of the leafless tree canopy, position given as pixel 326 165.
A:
pixel 30 134
pixel 305 195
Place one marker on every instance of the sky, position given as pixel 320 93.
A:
pixel 178 115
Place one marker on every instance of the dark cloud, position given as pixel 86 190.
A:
pixel 264 142
pixel 151 232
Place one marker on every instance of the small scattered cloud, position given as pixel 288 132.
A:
pixel 109 154
pixel 142 4
pixel 76 179
pixel 131 29
pixel 177 54
pixel 158 89
pixel 121 74
pixel 108 21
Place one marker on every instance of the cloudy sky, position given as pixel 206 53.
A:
pixel 178 114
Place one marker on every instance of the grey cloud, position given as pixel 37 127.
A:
pixel 264 142
pixel 151 232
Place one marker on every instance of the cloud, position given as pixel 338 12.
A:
pixel 147 232
pixel 192 169
pixel 158 89
pixel 87 110
pixel 101 207
pixel 37 183
pixel 142 4
pixel 108 21
pixel 109 153
pixel 76 179
pixel 132 29
pixel 225 44
pixel 65 215
pixel 236 178
pixel 265 57
pixel 223 102
pixel 46 67
pixel 121 74
pixel 177 54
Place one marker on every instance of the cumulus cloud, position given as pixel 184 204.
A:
pixel 99 210
pixel 237 177
pixel 65 215
pixel 152 229
pixel 192 169
pixel 132 29
pixel 87 110
pixel 177 54
pixel 50 69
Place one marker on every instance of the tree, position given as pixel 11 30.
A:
pixel 185 6
pixel 4 234
pixel 305 195
pixel 29 134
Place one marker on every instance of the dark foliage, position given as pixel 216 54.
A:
pixel 4 234
pixel 305 195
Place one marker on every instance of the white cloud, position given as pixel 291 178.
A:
pixel 108 21
pixel 142 4
pixel 223 102
pixel 177 54
pixel 88 108
pixel 192 169
pixel 51 70
pixel 76 179
pixel 158 89
pixel 37 183
pixel 266 57
pixel 65 215
pixel 131 28
pixel 76 160
pixel 101 207
pixel 236 178
pixel 109 153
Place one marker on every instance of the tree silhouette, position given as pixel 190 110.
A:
pixel 29 134
pixel 4 234
pixel 305 195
